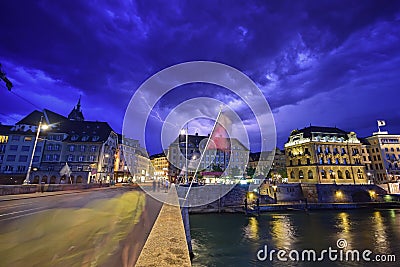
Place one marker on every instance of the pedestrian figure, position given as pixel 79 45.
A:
pixel 245 205
pixel 158 185
pixel 154 185
pixel 166 186
pixel 101 183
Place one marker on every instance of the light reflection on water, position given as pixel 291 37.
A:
pixel 234 239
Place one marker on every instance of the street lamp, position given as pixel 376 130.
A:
pixel 186 153
pixel 41 126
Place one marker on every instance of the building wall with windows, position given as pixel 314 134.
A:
pixel 231 163
pixel 383 150
pixel 18 151
pixel 160 165
pixel 87 147
pixel 325 155
pixel 266 163
pixel 132 163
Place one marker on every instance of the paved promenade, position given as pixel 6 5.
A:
pixel 166 244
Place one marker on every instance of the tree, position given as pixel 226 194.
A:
pixel 250 171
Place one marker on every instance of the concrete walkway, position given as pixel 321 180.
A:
pixel 166 244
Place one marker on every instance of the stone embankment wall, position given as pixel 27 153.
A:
pixel 214 198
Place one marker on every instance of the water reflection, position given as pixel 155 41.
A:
pixel 343 223
pixel 229 245
pixel 283 232
pixel 251 231
pixel 379 233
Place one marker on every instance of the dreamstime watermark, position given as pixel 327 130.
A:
pixel 331 254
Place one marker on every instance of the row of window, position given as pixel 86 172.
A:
pixel 18 138
pixel 332 174
pixel 80 158
pixel 85 138
pixel 322 162
pixel 21 158
pixel 9 168
pixel 81 148
pixel 392 149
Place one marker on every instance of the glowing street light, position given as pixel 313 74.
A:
pixel 185 132
pixel 40 127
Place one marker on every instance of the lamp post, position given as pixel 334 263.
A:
pixel 41 126
pixel 186 153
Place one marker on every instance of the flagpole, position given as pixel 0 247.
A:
pixel 202 154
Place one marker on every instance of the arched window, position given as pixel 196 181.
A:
pixel 323 174
pixel 310 174
pixel 292 175
pixel 345 161
pixel 329 161
pixel 321 161
pixel 337 161
pixel 339 175
pixel 360 174
pixel 301 175
pixel 347 173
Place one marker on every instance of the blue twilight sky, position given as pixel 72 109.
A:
pixel 328 63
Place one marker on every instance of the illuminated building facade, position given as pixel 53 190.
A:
pixel 325 155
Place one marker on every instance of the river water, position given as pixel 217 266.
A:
pixel 235 240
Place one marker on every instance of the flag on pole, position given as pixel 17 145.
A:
pixel 65 170
pixel 219 138
pixel 381 123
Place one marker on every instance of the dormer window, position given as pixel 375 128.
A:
pixel 85 138
pixel 95 138
pixel 74 137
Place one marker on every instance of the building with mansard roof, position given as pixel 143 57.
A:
pixel 325 155
pixel 88 147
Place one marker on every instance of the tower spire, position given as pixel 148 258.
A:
pixel 76 113
pixel 78 106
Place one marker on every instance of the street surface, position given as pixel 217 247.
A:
pixel 97 227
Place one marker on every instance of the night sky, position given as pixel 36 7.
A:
pixel 328 63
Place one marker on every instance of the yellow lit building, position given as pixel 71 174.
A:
pixel 324 155
pixel 160 166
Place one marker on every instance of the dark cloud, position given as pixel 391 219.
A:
pixel 303 55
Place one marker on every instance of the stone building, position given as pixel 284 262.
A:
pixel 325 155
pixel 383 156
pixel 132 163
pixel 87 147
pixel 272 163
pixel 160 166
pixel 228 163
